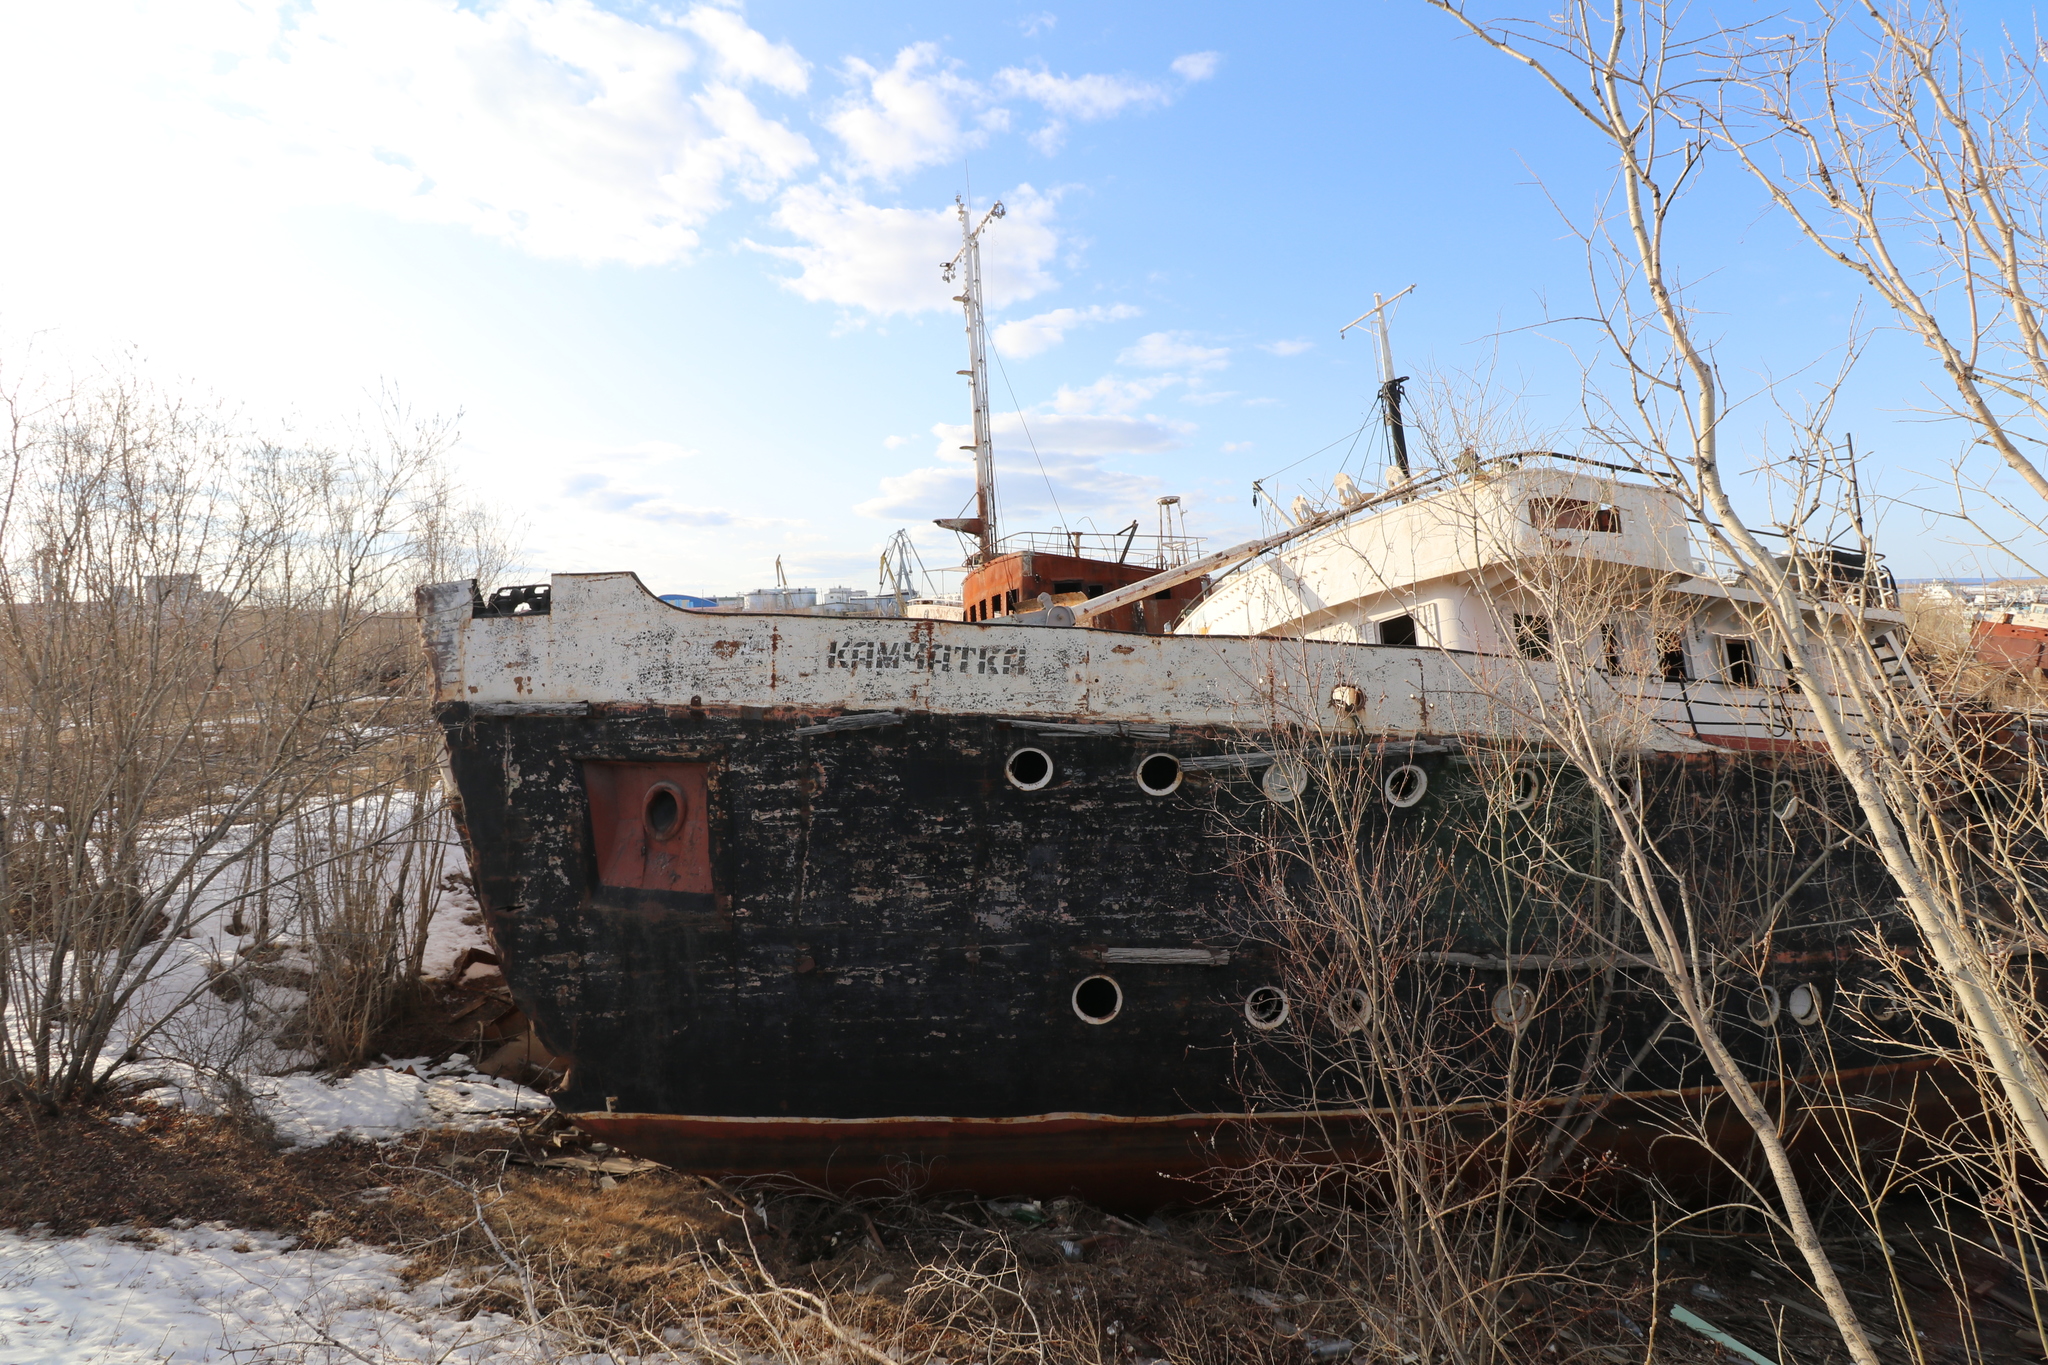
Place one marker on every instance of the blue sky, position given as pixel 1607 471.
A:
pixel 677 266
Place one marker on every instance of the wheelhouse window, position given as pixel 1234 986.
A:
pixel 1574 514
pixel 1738 659
pixel 1611 644
pixel 1671 655
pixel 1398 630
pixel 1532 636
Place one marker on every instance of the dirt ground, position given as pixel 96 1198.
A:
pixel 623 1252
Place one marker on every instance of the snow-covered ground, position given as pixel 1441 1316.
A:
pixel 120 1297
pixel 221 1296
pixel 374 1104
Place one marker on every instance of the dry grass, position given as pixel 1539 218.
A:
pixel 657 1261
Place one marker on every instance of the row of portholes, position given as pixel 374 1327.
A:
pixel 1284 781
pixel 1099 999
pixel 1030 770
pixel 1515 1005
pixel 1801 1004
pixel 1403 786
pixel 1525 786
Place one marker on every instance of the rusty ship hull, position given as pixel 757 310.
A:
pixel 773 892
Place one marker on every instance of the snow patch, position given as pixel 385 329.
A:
pixel 375 1104
pixel 213 1294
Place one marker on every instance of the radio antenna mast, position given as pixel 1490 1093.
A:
pixel 1390 384
pixel 967 265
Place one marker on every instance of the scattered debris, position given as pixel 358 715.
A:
pixel 1687 1318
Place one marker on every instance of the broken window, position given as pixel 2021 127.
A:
pixel 1738 655
pixel 1010 602
pixel 1671 655
pixel 1398 630
pixel 1573 514
pixel 1532 636
pixel 1610 640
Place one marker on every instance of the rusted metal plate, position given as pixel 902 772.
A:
pixel 651 825
pixel 1124 1162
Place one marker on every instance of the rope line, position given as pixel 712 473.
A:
pixel 1019 409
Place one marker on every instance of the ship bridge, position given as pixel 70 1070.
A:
pixel 1449 568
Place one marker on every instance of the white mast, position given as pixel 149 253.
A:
pixel 982 525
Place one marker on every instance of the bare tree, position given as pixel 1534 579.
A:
pixel 201 646
pixel 1657 95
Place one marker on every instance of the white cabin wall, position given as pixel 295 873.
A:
pixel 1454 534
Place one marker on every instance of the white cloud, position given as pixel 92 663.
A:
pixel 551 124
pixel 921 111
pixel 601 493
pixel 1078 97
pixel 1284 348
pixel 744 54
pixel 1173 351
pixel 1083 98
pixel 1232 447
pixel 895 442
pixel 637 482
pixel 1111 393
pixel 566 130
pixel 1204 397
pixel 1074 442
pixel 886 260
pixel 1197 66
pixel 1072 453
pixel 909 116
pixel 1041 22
pixel 1027 337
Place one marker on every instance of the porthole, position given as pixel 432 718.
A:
pixel 1525 788
pixel 1028 769
pixel 1098 999
pixel 1877 1005
pixel 1351 1011
pixel 1514 1006
pixel 1284 781
pixel 1803 1004
pixel 1405 785
pixel 1159 775
pixel 664 809
pixel 1266 1008
pixel 1763 1007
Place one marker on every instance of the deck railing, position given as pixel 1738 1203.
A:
pixel 1151 552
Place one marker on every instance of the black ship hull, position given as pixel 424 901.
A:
pixel 858 951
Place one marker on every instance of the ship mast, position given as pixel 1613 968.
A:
pixel 967 264
pixel 1390 384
